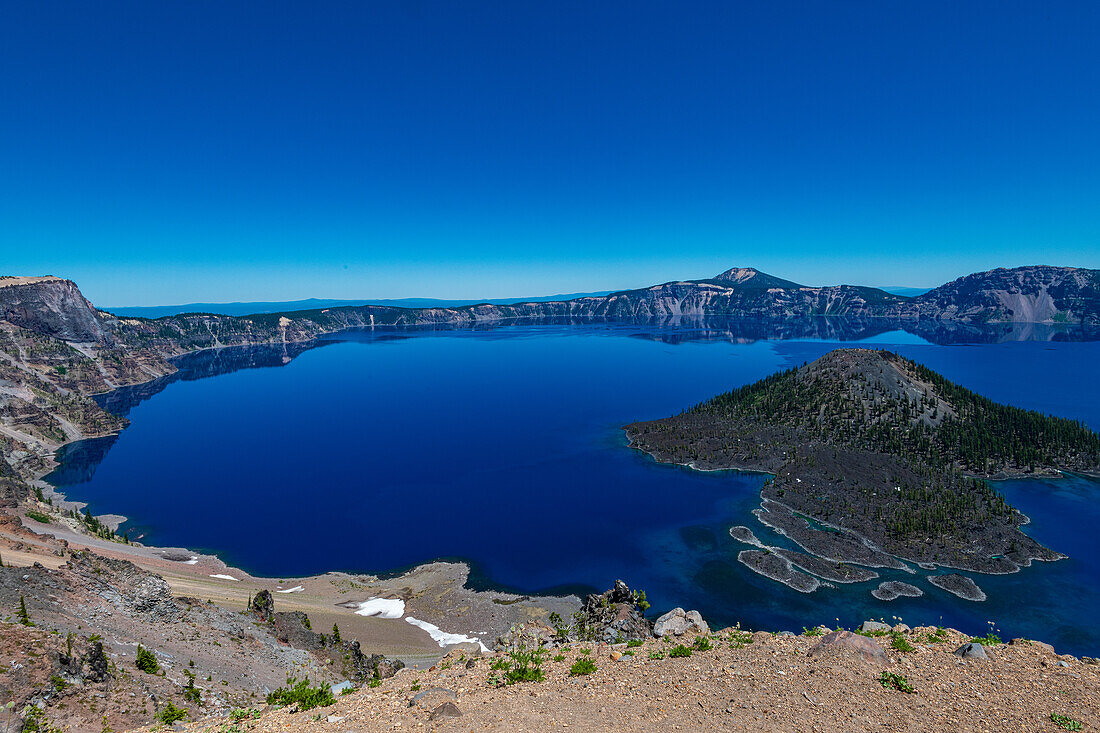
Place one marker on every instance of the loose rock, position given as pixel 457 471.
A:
pixel 972 651
pixel 847 643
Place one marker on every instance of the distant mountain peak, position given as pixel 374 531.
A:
pixel 750 276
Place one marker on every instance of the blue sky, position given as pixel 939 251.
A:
pixel 161 152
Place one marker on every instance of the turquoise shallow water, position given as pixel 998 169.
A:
pixel 503 447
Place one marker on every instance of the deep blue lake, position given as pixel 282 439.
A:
pixel 504 447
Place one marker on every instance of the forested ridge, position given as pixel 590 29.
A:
pixel 913 411
pixel 880 445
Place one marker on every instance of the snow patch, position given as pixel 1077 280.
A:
pixel 442 637
pixel 295 589
pixel 224 577
pixel 382 608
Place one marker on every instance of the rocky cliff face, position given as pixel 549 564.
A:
pixel 53 307
pixel 1038 294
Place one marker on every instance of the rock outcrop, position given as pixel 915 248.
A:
pixel 53 307
pixel 613 616
pixel 845 643
pixel 294 628
pixel 263 606
pixel 678 622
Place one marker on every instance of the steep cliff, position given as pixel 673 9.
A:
pixel 53 307
pixel 1038 294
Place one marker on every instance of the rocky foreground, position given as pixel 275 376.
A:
pixel 837 681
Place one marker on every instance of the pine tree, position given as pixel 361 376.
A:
pixel 335 634
pixel 24 617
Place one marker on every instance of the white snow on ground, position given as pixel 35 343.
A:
pixel 224 577
pixel 382 608
pixel 192 561
pixel 442 637
pixel 295 589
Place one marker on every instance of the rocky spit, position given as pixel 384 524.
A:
pixel 959 585
pixel 892 589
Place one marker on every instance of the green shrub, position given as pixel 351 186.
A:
pixel 893 681
pixel 900 643
pixel 244 714
pixel 679 651
pixel 526 667
pixel 739 639
pixel 989 639
pixel 702 644
pixel 1064 722
pixel 39 516
pixel 581 667
pixel 656 655
pixel 300 692
pixel 633 643
pixel 815 631
pixel 146 661
pixel 170 713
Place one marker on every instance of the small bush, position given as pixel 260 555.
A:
pixel 656 655
pixel 581 667
pixel 39 516
pixel 526 667
pixel 739 639
pixel 873 634
pixel 244 714
pixel 989 639
pixel 634 643
pixel 702 644
pixel 170 714
pixel 679 651
pixel 1064 722
pixel 892 681
pixel 300 692
pixel 900 643
pixel 146 661
pixel 815 631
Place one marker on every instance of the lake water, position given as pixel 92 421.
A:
pixel 504 447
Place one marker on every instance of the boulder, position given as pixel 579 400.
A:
pixel 469 648
pixel 446 710
pixel 678 622
pixel 971 650
pixel 426 698
pixel 868 626
pixel 529 635
pixel 846 643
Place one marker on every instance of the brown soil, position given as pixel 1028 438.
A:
pixel 768 685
